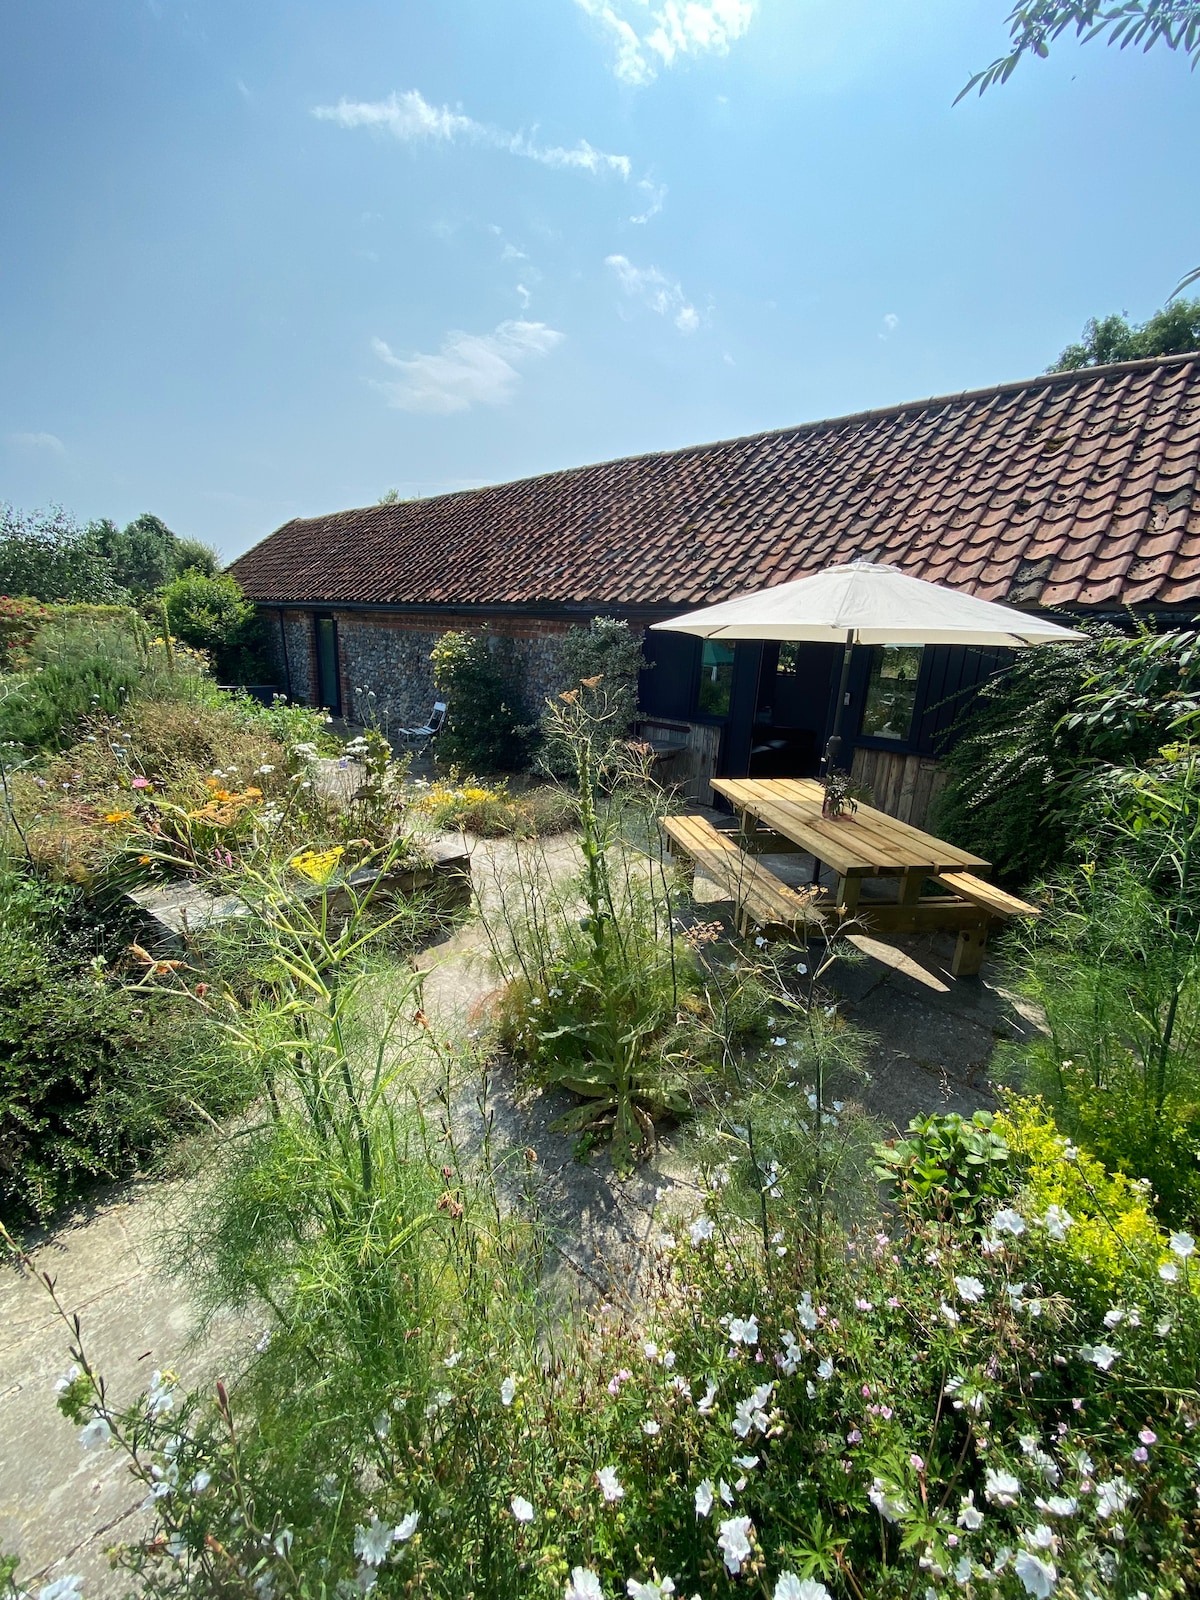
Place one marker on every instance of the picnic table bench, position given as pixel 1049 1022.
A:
pixel 785 814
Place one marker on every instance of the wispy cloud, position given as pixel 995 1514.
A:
pixel 889 325
pixel 469 369
pixel 647 36
pixel 410 118
pixel 37 441
pixel 655 194
pixel 655 289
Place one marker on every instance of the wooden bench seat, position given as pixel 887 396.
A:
pixel 981 893
pixel 759 896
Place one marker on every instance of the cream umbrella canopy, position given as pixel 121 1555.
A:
pixel 865 602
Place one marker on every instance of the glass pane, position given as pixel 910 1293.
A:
pixel 716 678
pixel 892 691
pixel 789 658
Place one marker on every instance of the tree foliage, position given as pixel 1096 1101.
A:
pixel 47 555
pixel 1023 777
pixel 212 614
pixel 1033 28
pixel 1170 332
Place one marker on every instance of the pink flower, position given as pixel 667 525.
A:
pixel 1141 1453
pixel 140 783
pixel 916 1463
pixel 1148 1436
pixel 866 1391
pixel 854 1437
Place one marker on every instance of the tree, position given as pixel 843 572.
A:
pixel 1170 332
pixel 193 555
pixel 1033 28
pixel 212 614
pixel 46 555
pixel 141 556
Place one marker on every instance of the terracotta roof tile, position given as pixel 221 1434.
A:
pixel 1070 489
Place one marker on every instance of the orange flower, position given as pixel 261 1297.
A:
pixel 115 817
pixel 590 683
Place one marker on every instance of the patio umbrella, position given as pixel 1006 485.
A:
pixel 866 602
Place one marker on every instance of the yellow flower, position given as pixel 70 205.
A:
pixel 113 817
pixel 318 865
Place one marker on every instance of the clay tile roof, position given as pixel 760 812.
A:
pixel 1072 489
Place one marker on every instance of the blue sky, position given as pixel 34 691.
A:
pixel 265 260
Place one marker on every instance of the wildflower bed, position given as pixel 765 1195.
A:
pixel 956 1409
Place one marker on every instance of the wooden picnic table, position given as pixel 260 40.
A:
pixel 785 813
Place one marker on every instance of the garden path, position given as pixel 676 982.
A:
pixel 60 1507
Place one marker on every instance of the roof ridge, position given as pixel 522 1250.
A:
pixel 1013 386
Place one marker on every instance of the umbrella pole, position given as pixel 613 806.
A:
pixel 833 749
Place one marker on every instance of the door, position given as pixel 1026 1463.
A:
pixel 329 682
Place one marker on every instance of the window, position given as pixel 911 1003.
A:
pixel 891 691
pixel 789 658
pixel 716 678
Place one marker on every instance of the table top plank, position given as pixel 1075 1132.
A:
pixel 856 843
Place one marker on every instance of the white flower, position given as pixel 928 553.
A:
pixel 751 1412
pixel 705 1404
pixel 1183 1245
pixel 610 1488
pixel 825 1369
pixel 744 1332
pixel 1056 1222
pixel 951 1316
pixel 734 1540
pixel 1037 1576
pixel 655 1589
pixel 704 1497
pixel 747 1463
pixel 1168 1272
pixel 284 1540
pixel 887 1500
pixel 584 1585
pixel 200 1482
pixel 701 1229
pixel 1009 1221
pixel 970 1289
pixel 453 1359
pixel 64 1383
pixel 371 1544
pixel 94 1434
pixel 65 1588
pixel 522 1509
pixel 508 1390
pixel 970 1516
pixel 1001 1487
pixel 1113 1316
pixel 407 1527
pixel 790 1587
pixel 1112 1497
pixel 1100 1355
pixel 1059 1505
pixel 650 1427
pixel 806 1312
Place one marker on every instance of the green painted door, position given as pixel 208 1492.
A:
pixel 329 689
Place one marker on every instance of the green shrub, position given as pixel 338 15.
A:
pixel 93 1079
pixel 608 655
pixel 488 728
pixel 492 811
pixel 947 1167
pixel 1114 966
pixel 1021 775
pixel 46 710
pixel 213 615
